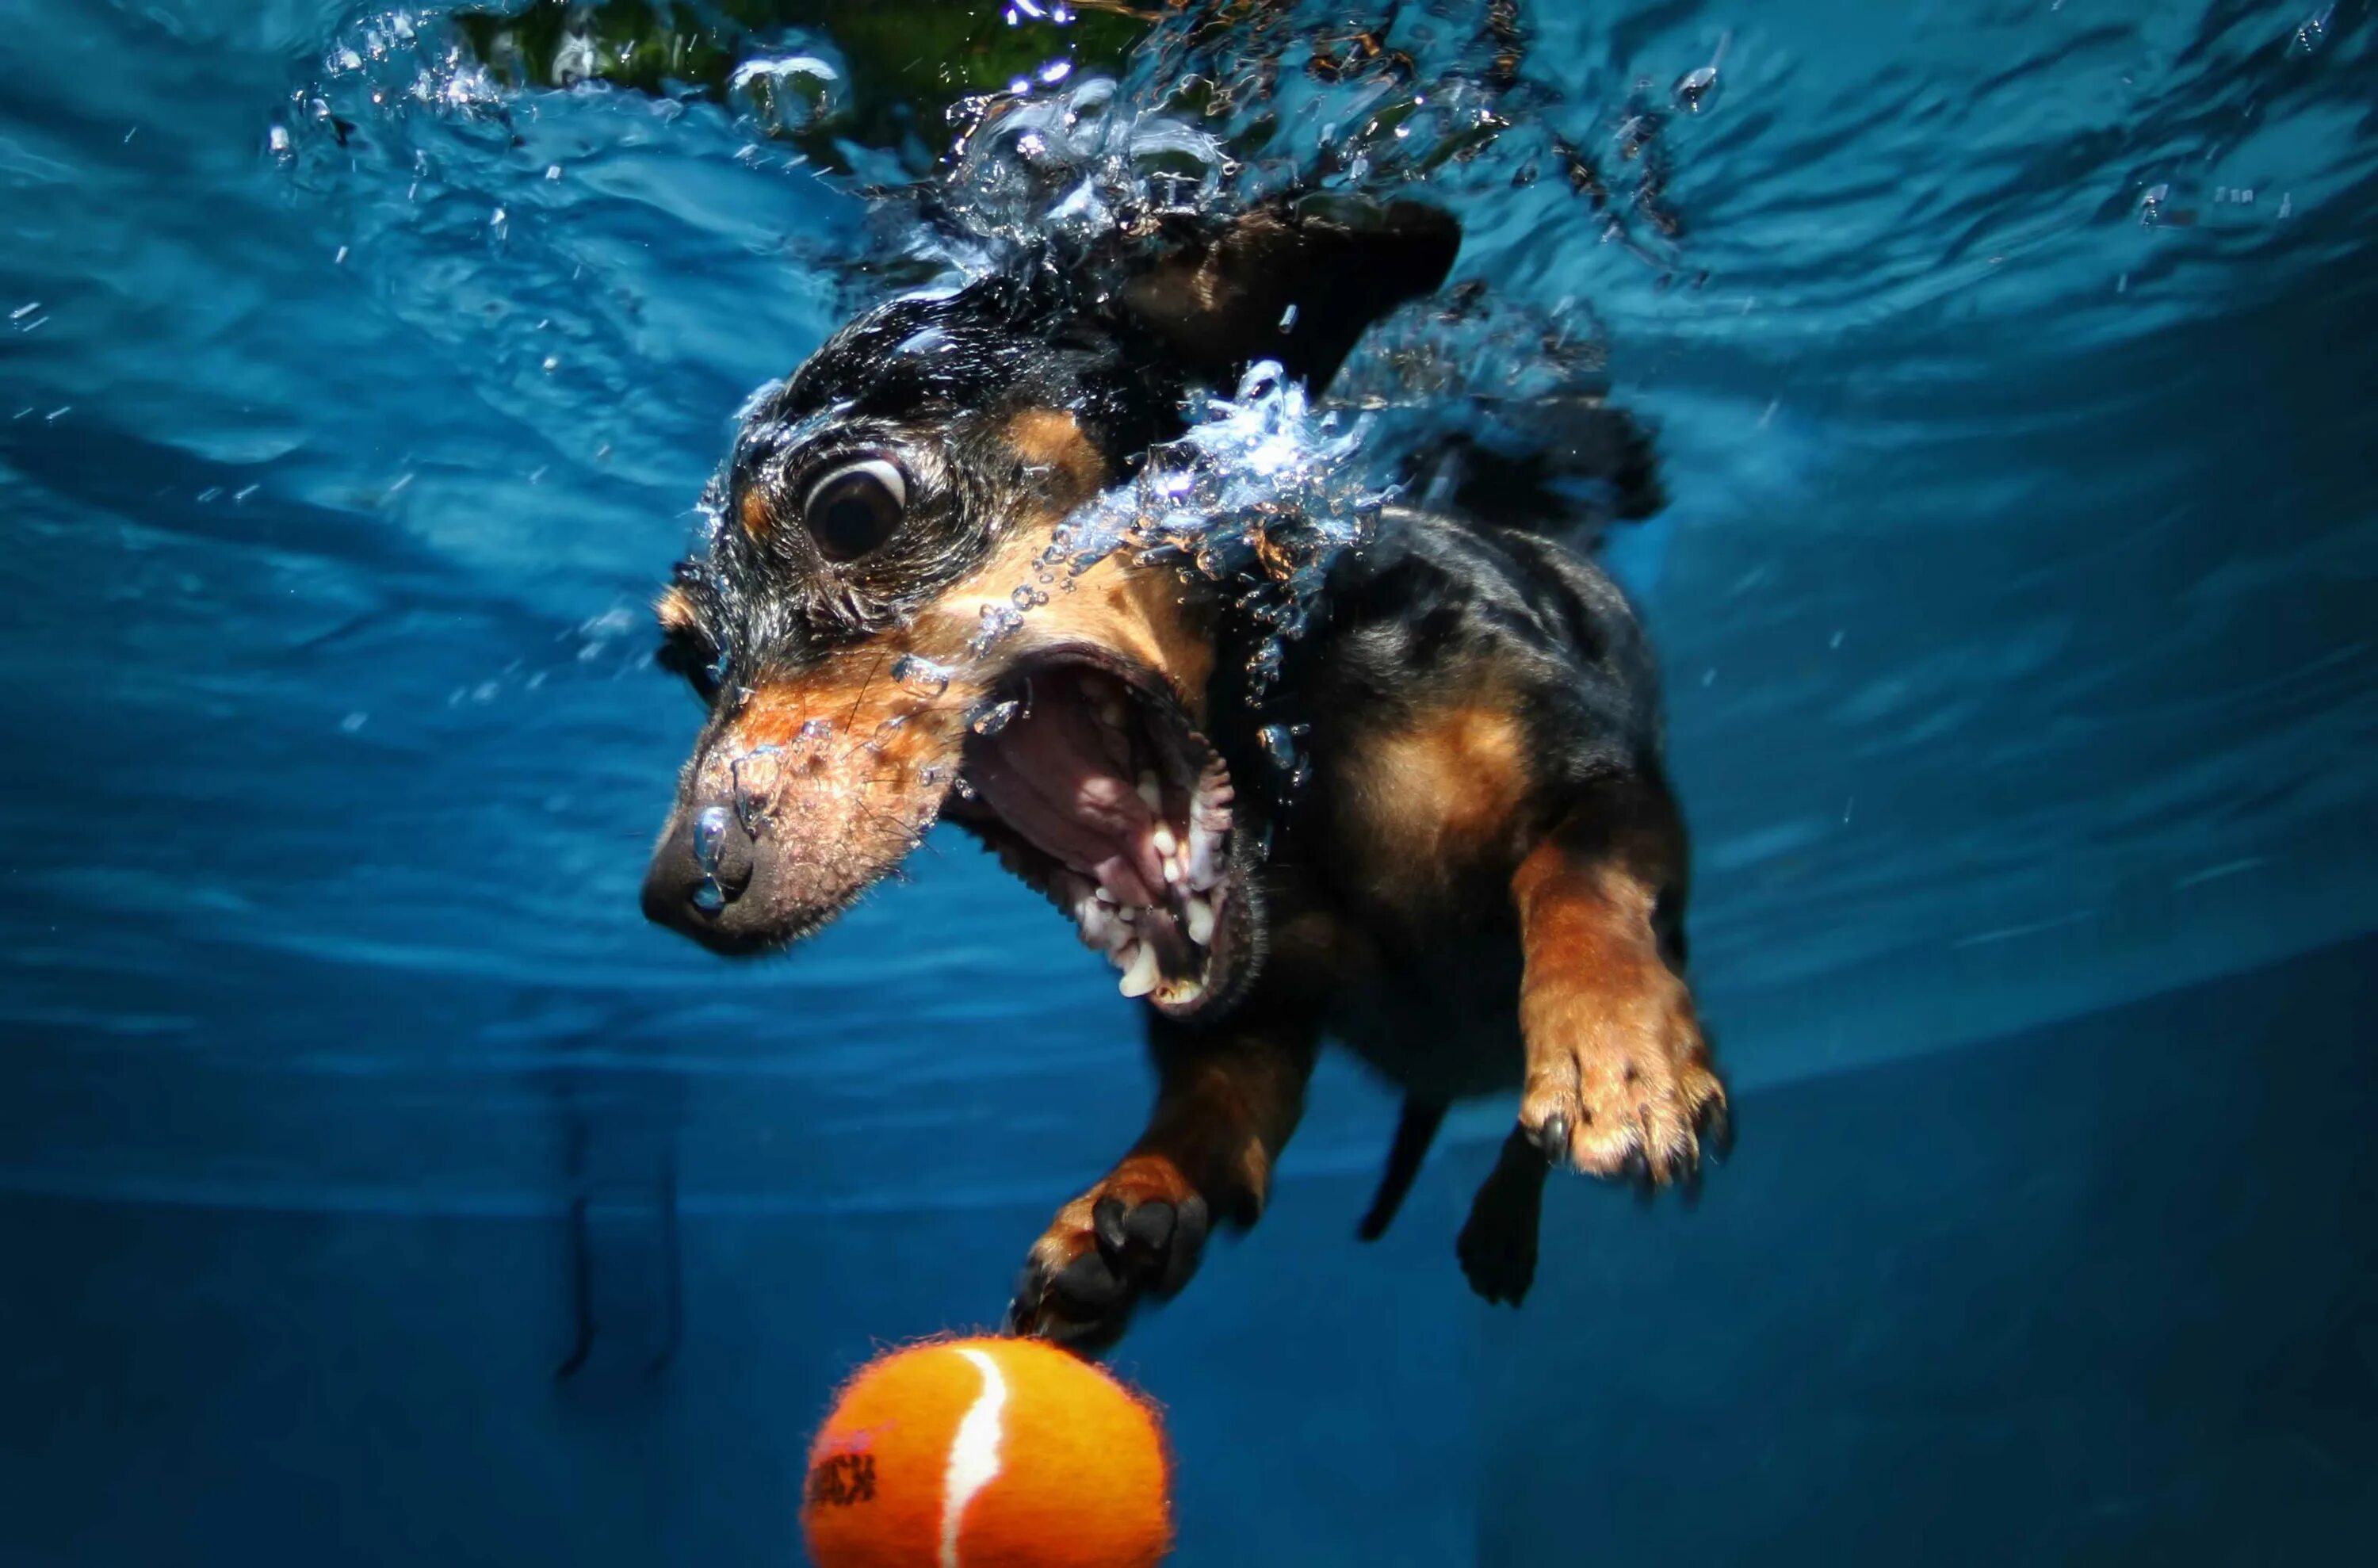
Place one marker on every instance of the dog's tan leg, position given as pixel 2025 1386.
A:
pixel 1228 1099
pixel 1618 1080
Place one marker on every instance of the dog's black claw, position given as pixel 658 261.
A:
pixel 1024 1302
pixel 1082 1308
pixel 1552 1139
pixel 1715 1124
pixel 1636 1170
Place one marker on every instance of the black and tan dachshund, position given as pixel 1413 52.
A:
pixel 1480 883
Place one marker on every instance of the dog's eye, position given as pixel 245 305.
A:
pixel 854 508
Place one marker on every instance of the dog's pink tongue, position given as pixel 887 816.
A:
pixel 1049 776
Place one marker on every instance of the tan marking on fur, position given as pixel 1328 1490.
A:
pixel 674 610
pixel 1052 440
pixel 1438 800
pixel 753 513
pixel 1140 1178
pixel 861 705
pixel 1139 612
pixel 1614 1048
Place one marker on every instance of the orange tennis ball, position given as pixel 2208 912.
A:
pixel 986 1454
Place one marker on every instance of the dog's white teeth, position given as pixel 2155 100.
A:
pixel 1171 864
pixel 1151 790
pixel 1200 915
pixel 1166 844
pixel 1112 713
pixel 1104 896
pixel 1103 926
pixel 1140 975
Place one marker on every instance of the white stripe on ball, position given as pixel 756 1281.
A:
pixel 974 1454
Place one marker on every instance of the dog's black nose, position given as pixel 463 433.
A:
pixel 702 865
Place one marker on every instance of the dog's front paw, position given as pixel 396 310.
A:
pixel 1618 1077
pixel 1139 1233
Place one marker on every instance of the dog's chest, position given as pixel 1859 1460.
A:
pixel 1443 1023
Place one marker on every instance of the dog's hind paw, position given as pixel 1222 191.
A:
pixel 1497 1247
pixel 1138 1233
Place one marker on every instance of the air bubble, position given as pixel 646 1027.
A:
pixel 1262 667
pixel 756 775
pixel 789 94
pixel 1696 90
pixel 1261 498
pixel 920 676
pixel 998 622
pixel 2312 33
pixel 994 719
pixel 709 834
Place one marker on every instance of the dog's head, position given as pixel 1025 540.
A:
pixel 890 503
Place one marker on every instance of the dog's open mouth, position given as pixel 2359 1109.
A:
pixel 1093 788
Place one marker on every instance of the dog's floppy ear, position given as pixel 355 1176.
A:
pixel 1296 281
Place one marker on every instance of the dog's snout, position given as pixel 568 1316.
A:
pixel 702 865
pixel 779 825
